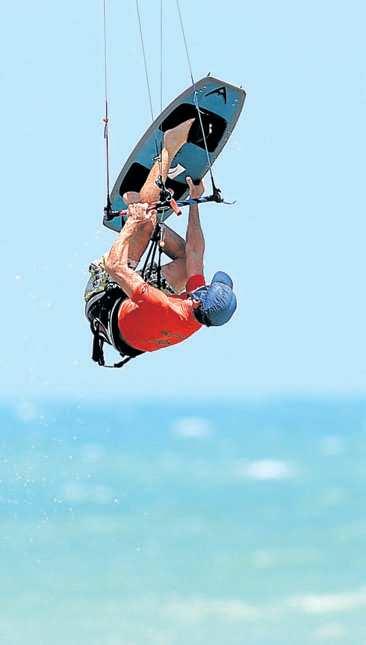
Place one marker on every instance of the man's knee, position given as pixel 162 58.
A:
pixel 175 274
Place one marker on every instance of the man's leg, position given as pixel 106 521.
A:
pixel 174 139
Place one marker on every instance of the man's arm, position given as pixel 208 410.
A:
pixel 195 241
pixel 116 261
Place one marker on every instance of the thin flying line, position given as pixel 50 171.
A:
pixel 158 155
pixel 185 41
pixel 145 60
pixel 105 51
pixel 161 55
pixel 195 91
pixel 203 135
pixel 106 116
pixel 161 78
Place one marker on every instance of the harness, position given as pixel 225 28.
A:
pixel 102 313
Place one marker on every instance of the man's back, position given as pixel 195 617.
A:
pixel 150 320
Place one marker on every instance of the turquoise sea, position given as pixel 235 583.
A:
pixel 183 523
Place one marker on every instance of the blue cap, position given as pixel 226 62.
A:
pixel 218 301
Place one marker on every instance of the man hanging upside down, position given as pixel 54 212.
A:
pixel 132 314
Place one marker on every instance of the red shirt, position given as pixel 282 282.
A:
pixel 150 320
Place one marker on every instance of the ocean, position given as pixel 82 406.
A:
pixel 183 523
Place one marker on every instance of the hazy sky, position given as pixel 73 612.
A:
pixel 294 242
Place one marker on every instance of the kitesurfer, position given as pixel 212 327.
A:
pixel 133 315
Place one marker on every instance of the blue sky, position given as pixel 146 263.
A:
pixel 294 242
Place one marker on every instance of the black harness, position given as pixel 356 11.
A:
pixel 102 309
pixel 102 312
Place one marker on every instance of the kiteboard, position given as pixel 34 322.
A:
pixel 220 105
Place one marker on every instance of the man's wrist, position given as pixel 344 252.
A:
pixel 130 224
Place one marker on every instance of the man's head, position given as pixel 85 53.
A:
pixel 216 301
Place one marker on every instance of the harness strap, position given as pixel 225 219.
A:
pixel 104 327
pixel 98 352
pixel 151 254
pixel 159 267
pixel 98 342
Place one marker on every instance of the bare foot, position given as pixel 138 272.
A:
pixel 131 197
pixel 175 138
